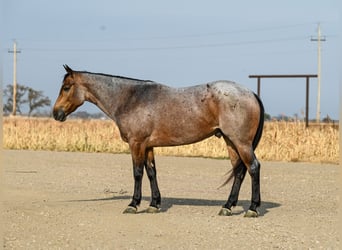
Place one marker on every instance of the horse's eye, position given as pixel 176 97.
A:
pixel 66 88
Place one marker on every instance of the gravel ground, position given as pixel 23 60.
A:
pixel 58 200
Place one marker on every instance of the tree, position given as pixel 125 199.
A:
pixel 267 117
pixel 36 100
pixel 25 95
pixel 8 98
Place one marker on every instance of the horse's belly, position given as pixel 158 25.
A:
pixel 180 136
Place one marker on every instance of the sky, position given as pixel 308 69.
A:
pixel 178 43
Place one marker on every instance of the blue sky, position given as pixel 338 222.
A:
pixel 178 43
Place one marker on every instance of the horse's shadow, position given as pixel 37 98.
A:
pixel 168 202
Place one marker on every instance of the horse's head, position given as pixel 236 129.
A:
pixel 71 95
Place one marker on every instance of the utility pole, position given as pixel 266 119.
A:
pixel 318 39
pixel 14 51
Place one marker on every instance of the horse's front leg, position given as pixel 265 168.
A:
pixel 138 158
pixel 152 176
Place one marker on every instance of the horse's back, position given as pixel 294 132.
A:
pixel 218 98
pixel 231 89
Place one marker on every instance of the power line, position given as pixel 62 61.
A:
pixel 175 47
pixel 194 35
pixel 249 30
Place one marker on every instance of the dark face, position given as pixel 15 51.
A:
pixel 71 96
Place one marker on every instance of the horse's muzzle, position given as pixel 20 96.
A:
pixel 59 115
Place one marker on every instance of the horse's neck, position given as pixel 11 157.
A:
pixel 105 92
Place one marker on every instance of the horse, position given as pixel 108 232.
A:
pixel 149 114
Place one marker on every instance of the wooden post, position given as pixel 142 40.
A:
pixel 307 102
pixel 14 78
pixel 14 51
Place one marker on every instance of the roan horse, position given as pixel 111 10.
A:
pixel 149 114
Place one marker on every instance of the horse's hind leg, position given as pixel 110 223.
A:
pixel 253 166
pixel 239 172
pixel 243 158
pixel 151 171
pixel 254 171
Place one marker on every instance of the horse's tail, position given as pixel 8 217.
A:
pixel 255 143
pixel 258 134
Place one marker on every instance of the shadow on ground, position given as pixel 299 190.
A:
pixel 168 202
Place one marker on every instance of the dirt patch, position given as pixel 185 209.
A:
pixel 57 200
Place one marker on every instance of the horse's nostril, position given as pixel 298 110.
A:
pixel 59 115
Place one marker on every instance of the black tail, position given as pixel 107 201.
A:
pixel 261 123
pixel 256 140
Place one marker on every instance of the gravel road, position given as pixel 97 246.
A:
pixel 59 200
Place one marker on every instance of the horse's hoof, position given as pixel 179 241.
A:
pixel 225 212
pixel 152 210
pixel 251 214
pixel 130 210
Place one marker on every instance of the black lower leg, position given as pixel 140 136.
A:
pixel 255 174
pixel 239 175
pixel 152 176
pixel 138 172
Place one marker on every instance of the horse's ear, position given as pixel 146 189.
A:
pixel 68 69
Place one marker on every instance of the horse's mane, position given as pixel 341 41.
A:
pixel 108 75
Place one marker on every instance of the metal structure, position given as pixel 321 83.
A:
pixel 307 76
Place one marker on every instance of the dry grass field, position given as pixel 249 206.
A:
pixel 281 141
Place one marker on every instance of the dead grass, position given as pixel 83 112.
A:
pixel 281 141
pixel 291 141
